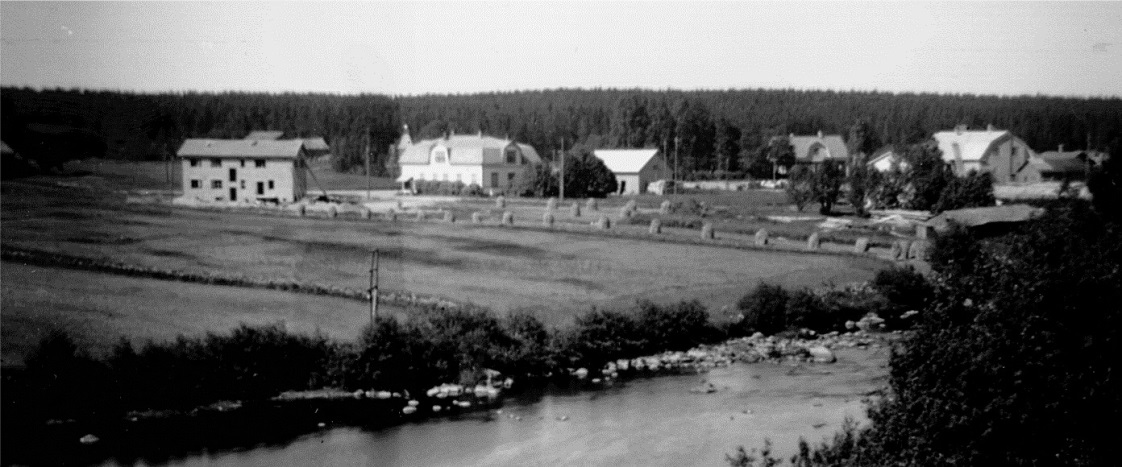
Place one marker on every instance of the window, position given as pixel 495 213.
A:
pixel 233 175
pixel 259 163
pixel 242 162
pixel 196 183
pixel 439 156
pixel 194 162
pixel 494 179
pixel 510 179
pixel 270 184
pixel 216 162
pixel 216 184
pixel 243 184
pixel 260 188
pixel 511 156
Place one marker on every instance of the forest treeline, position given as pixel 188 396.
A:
pixel 718 131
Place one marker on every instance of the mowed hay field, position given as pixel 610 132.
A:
pixel 98 309
pixel 553 274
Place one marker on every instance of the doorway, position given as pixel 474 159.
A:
pixel 233 194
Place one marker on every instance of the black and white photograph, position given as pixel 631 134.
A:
pixel 560 233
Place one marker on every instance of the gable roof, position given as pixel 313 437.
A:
pixel 972 144
pixel 264 135
pixel 1063 162
pixel 833 144
pixel 316 144
pixel 624 161
pixel 974 217
pixel 883 153
pixel 285 148
pixel 475 149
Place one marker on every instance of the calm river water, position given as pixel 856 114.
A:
pixel 655 421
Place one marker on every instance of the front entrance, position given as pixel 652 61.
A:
pixel 622 186
pixel 233 194
pixel 260 188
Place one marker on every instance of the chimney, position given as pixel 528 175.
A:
pixel 989 127
pixel 405 129
pixel 958 129
pixel 792 135
pixel 480 133
pixel 1061 148
pixel 820 133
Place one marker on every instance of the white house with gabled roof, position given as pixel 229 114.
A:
pixel 492 163
pixel 634 168
pixel 998 152
pixel 243 170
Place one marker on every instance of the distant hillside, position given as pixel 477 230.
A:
pixel 150 126
pixel 713 130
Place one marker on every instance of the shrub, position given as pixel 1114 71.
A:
pixel 764 310
pixel 903 289
pixel 677 327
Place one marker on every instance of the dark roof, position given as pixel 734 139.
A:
pixel 974 217
pixel 285 148
pixel 264 135
pixel 316 144
pixel 1064 162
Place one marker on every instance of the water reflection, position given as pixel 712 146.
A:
pixel 646 421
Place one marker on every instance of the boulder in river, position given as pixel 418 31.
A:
pixel 821 354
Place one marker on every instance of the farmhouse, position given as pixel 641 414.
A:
pixel 243 170
pixel 815 149
pixel 634 168
pixel 998 152
pixel 492 163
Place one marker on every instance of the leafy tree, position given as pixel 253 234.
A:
pixel 764 309
pixel 862 139
pixel 800 186
pixel 927 175
pixel 825 185
pixel 972 191
pixel 861 181
pixel 585 176
pixel 727 146
pixel 1105 183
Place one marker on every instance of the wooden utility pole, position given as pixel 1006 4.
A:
pixel 374 257
pixel 562 195
pixel 677 143
pixel 366 151
pixel 167 165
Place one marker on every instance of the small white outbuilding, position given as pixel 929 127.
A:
pixel 634 168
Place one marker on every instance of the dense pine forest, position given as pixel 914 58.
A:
pixel 713 132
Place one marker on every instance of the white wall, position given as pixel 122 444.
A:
pixel 288 185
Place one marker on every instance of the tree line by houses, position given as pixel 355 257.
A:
pixel 712 133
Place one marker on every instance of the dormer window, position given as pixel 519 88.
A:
pixel 512 156
pixel 439 156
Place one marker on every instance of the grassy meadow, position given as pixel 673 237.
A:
pixel 552 274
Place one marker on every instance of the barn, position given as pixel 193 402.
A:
pixel 634 168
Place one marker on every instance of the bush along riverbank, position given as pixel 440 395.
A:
pixel 435 362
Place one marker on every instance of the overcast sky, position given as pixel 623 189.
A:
pixel 414 48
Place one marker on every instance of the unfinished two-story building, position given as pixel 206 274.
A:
pixel 243 170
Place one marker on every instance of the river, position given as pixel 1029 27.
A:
pixel 648 421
